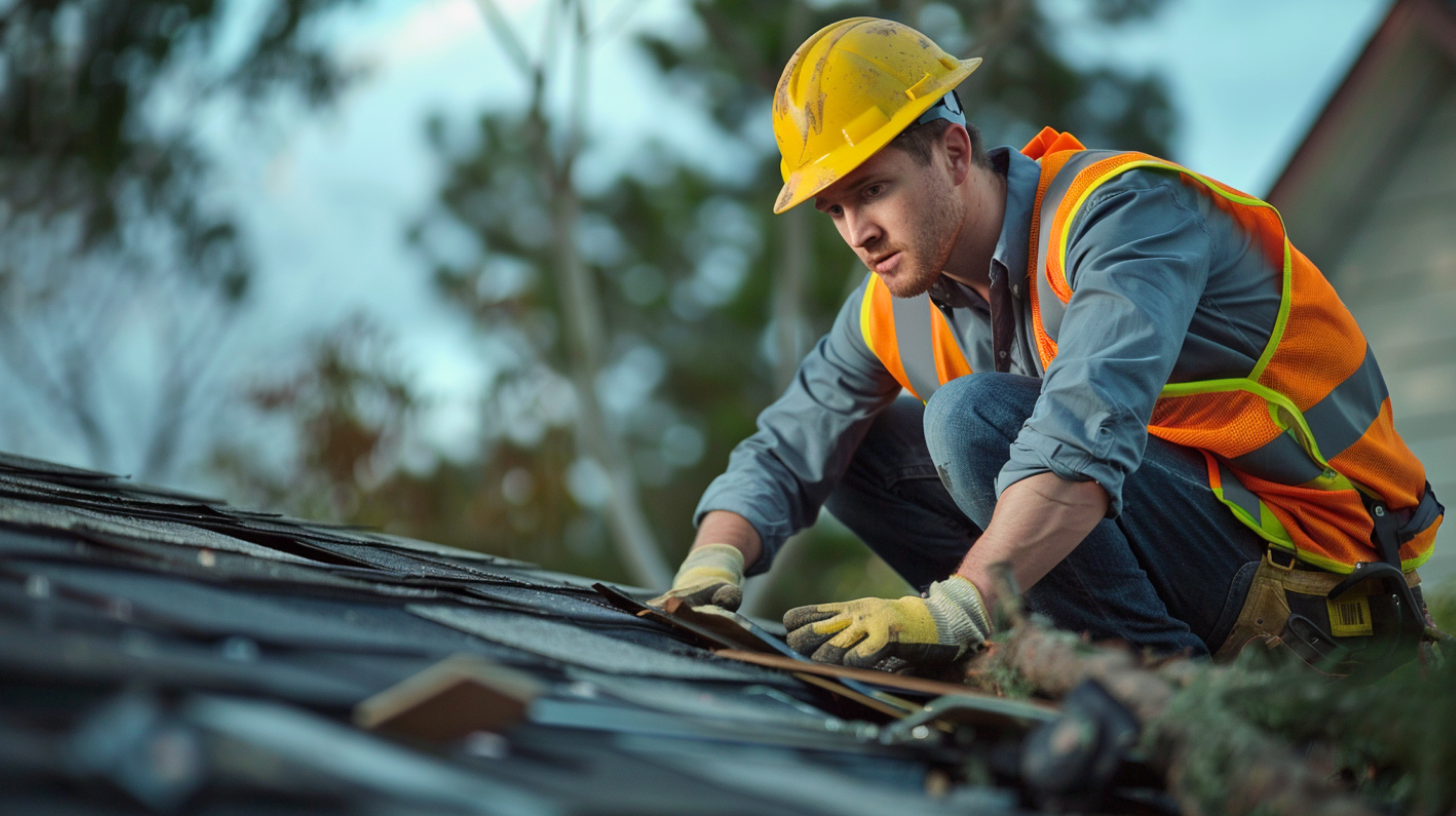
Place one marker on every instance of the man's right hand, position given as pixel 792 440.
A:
pixel 938 629
pixel 711 574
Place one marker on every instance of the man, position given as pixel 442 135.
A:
pixel 1130 387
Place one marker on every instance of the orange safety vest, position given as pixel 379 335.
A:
pixel 1291 445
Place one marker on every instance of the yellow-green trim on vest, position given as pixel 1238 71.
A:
pixel 1282 410
pixel 1244 503
pixel 866 307
pixel 1249 508
pixel 912 359
pixel 1285 297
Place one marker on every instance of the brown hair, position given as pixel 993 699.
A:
pixel 919 140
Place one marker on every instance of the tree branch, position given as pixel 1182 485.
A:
pixel 507 36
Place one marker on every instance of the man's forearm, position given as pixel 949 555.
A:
pixel 727 527
pixel 1038 522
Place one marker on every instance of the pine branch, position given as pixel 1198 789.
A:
pixel 1214 759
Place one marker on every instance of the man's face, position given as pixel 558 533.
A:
pixel 902 219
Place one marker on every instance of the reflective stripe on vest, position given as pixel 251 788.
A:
pixel 1289 443
pixel 912 338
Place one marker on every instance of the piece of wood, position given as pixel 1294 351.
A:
pixel 849 693
pixel 900 682
pixel 723 624
pixel 685 623
pixel 450 700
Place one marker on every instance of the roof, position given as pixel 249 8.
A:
pixel 162 652
pixel 1407 63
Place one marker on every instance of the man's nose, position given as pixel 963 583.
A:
pixel 861 230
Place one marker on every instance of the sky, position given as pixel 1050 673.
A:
pixel 325 200
pixel 1249 77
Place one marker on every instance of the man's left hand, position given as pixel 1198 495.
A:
pixel 949 622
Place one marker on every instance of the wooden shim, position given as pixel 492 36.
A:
pixel 916 685
pixel 849 693
pixel 449 700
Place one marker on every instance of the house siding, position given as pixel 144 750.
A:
pixel 1396 272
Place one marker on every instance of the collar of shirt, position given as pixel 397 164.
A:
pixel 1022 175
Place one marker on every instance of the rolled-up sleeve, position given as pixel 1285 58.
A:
pixel 779 477
pixel 1137 263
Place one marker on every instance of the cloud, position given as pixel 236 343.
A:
pixel 427 29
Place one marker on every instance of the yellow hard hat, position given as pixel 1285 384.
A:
pixel 848 91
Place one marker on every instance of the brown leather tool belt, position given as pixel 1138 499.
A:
pixel 1283 587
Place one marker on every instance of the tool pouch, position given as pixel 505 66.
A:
pixel 1340 624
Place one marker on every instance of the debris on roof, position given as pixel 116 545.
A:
pixel 166 652
pixel 161 652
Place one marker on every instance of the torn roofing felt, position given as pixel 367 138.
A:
pixel 166 652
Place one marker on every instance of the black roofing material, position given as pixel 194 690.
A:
pixel 135 657
pixel 165 652
pixel 566 643
pixel 35 515
pixel 283 619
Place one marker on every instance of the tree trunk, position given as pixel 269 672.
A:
pixel 582 305
pixel 795 264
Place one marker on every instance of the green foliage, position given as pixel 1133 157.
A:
pixel 1441 601
pixel 1391 740
pixel 1215 746
pixel 354 410
pixel 108 206
pixel 80 136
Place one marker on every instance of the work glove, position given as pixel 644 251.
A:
pixel 937 629
pixel 711 574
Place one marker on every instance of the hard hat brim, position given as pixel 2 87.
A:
pixel 809 181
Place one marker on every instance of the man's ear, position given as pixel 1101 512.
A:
pixel 955 142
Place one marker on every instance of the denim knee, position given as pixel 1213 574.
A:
pixel 978 416
pixel 970 424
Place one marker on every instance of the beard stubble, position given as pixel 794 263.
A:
pixel 927 247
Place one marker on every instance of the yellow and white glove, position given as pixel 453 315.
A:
pixel 937 629
pixel 711 574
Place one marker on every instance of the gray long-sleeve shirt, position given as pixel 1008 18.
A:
pixel 1165 286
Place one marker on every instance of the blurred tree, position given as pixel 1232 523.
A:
pixel 111 233
pixel 546 150
pixel 704 302
pixel 352 406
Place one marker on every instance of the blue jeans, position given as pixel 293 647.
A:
pixel 1170 573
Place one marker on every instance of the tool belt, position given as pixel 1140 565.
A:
pixel 1341 633
pixel 1362 625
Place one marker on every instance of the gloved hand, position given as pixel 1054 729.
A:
pixel 939 628
pixel 711 574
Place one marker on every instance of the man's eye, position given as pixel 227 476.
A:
pixel 873 190
pixel 835 210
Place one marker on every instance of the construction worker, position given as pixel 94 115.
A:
pixel 1126 384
